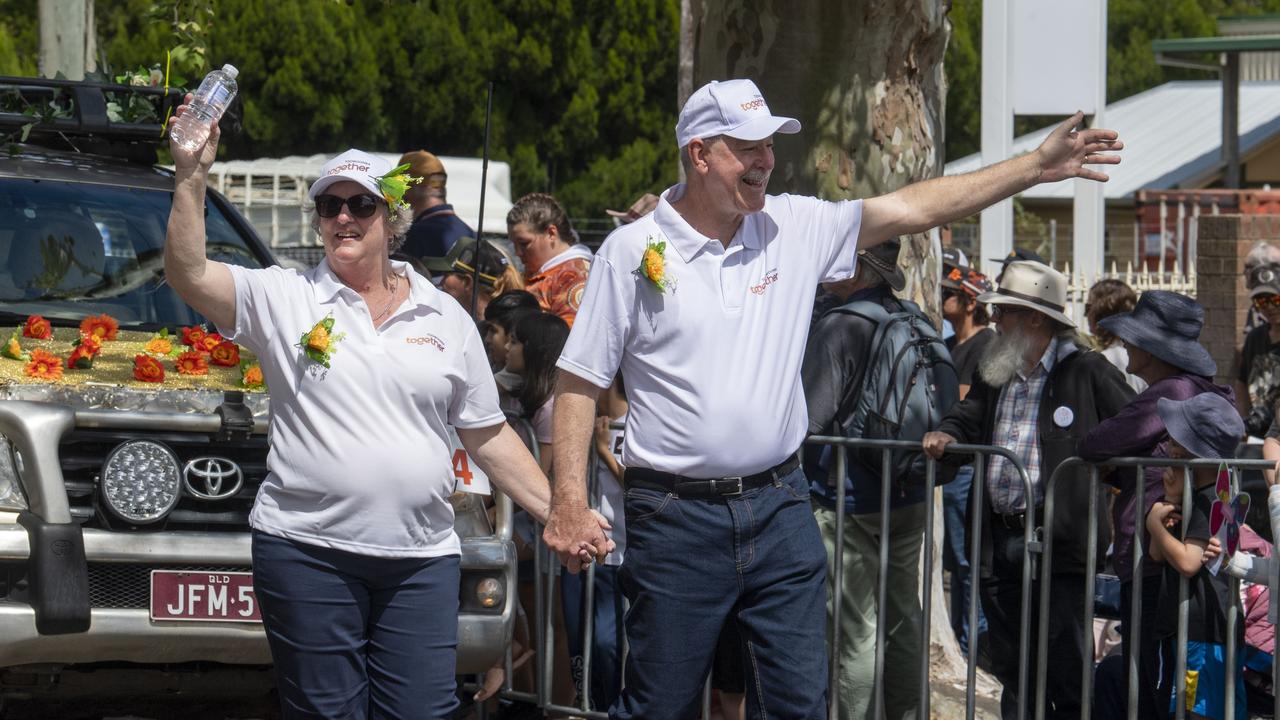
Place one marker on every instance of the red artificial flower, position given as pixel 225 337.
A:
pixel 81 358
pixel 37 327
pixel 92 344
pixel 193 335
pixel 44 365
pixel 209 342
pixel 148 369
pixel 192 363
pixel 104 327
pixel 225 353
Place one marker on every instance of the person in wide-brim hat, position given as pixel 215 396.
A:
pixel 1032 285
pixel 1167 325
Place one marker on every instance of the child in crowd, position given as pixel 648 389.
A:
pixel 1205 426
pixel 533 346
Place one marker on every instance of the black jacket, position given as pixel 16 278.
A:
pixel 1094 390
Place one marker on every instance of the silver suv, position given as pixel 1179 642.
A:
pixel 124 512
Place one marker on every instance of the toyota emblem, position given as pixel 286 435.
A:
pixel 212 478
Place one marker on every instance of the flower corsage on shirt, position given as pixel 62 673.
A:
pixel 319 342
pixel 653 265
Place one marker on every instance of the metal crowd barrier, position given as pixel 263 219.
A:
pixel 1038 540
pixel 1133 630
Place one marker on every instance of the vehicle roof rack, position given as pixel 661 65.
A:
pixel 87 126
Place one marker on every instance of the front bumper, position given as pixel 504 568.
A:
pixel 129 635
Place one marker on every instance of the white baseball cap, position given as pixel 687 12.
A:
pixel 730 107
pixel 355 165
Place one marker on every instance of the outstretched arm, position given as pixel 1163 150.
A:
pixel 204 284
pixel 923 205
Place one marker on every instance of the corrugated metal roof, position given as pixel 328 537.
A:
pixel 1172 135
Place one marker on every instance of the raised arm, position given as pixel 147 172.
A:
pixel 571 527
pixel 205 285
pixel 928 204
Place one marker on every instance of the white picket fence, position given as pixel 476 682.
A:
pixel 1140 280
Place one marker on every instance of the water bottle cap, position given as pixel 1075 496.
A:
pixel 230 70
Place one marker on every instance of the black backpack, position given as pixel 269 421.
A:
pixel 907 384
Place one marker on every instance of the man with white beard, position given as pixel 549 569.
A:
pixel 1037 392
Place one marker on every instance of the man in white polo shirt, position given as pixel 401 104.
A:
pixel 704 305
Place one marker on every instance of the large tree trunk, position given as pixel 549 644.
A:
pixel 66 38
pixel 865 79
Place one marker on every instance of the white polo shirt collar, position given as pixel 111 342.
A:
pixel 684 238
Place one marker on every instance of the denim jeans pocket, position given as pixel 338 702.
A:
pixel 796 485
pixel 642 504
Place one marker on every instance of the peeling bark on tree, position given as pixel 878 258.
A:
pixel 865 79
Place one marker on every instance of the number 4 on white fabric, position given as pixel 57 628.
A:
pixel 467 476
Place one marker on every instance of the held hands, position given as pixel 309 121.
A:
pixel 187 162
pixel 576 534
pixel 1066 151
pixel 935 443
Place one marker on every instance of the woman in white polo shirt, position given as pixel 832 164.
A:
pixel 354 555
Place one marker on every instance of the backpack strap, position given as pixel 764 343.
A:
pixel 878 315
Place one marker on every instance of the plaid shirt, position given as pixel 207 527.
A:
pixel 1017 421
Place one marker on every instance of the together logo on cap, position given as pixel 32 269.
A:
pixel 730 107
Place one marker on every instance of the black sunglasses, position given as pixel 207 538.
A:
pixel 361 206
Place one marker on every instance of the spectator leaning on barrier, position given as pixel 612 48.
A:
pixel 1205 426
pixel 1258 381
pixel 555 263
pixel 970 320
pixel 1108 297
pixel 835 361
pixel 436 227
pixel 702 303
pixel 1161 339
pixel 1038 391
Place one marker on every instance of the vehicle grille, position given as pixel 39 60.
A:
pixel 128 585
pixel 83 452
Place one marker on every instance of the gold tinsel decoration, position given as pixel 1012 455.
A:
pixel 114 364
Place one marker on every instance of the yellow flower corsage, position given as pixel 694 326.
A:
pixel 318 342
pixel 653 265
pixel 13 349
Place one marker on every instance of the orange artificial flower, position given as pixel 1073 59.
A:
pixel 92 344
pixel 81 358
pixel 37 327
pixel 104 327
pixel 209 342
pixel 318 339
pixel 159 346
pixel 225 353
pixel 12 348
pixel 44 365
pixel 192 363
pixel 193 335
pixel 148 369
pixel 252 377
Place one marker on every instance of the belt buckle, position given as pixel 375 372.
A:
pixel 736 484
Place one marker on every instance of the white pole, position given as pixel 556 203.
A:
pixel 996 233
pixel 1090 210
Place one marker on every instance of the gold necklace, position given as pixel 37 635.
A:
pixel 395 285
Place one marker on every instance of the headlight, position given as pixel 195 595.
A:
pixel 490 593
pixel 141 481
pixel 11 494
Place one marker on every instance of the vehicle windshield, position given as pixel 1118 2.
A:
pixel 74 249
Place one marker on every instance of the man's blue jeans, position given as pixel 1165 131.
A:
pixel 955 555
pixel 755 559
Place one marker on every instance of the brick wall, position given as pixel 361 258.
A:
pixel 1223 243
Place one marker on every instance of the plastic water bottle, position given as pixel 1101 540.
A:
pixel 210 101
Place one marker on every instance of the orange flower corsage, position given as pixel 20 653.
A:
pixel 104 327
pixel 251 376
pixel 192 363
pixel 37 328
pixel 225 353
pixel 318 342
pixel 44 365
pixel 147 369
pixel 653 265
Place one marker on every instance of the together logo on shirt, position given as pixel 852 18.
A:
pixel 428 339
pixel 769 278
